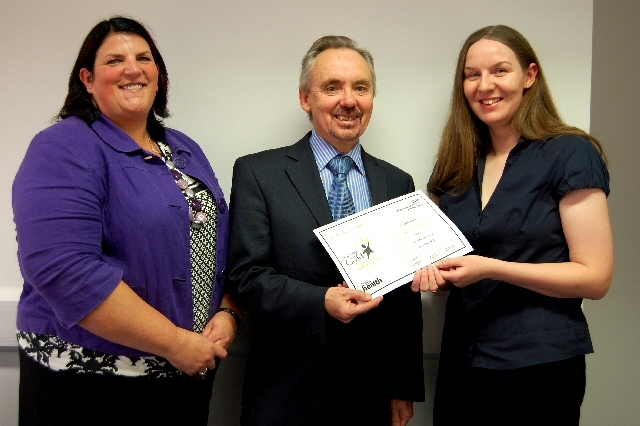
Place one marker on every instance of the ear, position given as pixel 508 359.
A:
pixel 87 78
pixel 158 85
pixel 304 100
pixel 530 75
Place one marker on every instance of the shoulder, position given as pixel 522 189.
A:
pixel 574 150
pixel 176 136
pixel 570 144
pixel 261 166
pixel 270 155
pixel 180 142
pixel 68 137
pixel 65 129
pixel 384 166
pixel 281 155
pixel 68 146
pixel 577 163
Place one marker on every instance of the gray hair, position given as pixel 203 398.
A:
pixel 331 42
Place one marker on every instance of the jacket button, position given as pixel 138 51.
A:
pixel 180 162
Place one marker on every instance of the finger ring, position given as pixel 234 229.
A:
pixel 203 374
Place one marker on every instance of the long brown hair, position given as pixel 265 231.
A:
pixel 464 135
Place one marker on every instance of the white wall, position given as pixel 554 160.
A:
pixel 234 65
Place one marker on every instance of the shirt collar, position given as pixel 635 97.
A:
pixel 115 137
pixel 323 152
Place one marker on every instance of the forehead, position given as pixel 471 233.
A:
pixel 342 65
pixel 490 52
pixel 118 41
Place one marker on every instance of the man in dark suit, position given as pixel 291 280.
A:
pixel 321 353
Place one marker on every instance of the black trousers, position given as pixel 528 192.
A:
pixel 49 397
pixel 546 394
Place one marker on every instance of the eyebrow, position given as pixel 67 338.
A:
pixel 332 81
pixel 357 82
pixel 364 82
pixel 497 64
pixel 146 52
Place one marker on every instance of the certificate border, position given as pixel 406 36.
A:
pixel 419 194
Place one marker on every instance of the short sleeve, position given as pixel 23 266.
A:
pixel 580 165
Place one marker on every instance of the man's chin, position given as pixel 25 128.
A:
pixel 348 134
pixel 351 137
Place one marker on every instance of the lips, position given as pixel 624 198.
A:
pixel 134 86
pixel 490 101
pixel 347 117
pixel 351 114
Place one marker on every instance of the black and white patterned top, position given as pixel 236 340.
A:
pixel 203 248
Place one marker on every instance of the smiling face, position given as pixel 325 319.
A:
pixel 340 99
pixel 495 82
pixel 124 80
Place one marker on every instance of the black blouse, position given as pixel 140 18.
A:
pixel 492 324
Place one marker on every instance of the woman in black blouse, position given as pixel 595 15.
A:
pixel 530 194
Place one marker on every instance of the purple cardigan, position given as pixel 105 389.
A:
pixel 91 208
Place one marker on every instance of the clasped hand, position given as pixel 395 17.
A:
pixel 458 271
pixel 200 352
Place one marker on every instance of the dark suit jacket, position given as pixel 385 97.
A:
pixel 304 367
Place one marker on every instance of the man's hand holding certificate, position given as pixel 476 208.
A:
pixel 380 248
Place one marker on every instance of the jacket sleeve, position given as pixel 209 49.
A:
pixel 261 251
pixel 57 200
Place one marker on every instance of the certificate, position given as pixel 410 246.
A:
pixel 381 248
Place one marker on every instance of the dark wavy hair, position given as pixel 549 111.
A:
pixel 80 103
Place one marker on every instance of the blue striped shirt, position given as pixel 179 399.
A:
pixel 323 152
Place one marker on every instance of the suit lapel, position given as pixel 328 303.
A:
pixel 303 171
pixel 376 178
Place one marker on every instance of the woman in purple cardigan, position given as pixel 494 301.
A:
pixel 122 237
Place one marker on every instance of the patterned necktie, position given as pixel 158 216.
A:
pixel 340 200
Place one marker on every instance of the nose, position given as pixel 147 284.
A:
pixel 486 83
pixel 348 99
pixel 132 67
